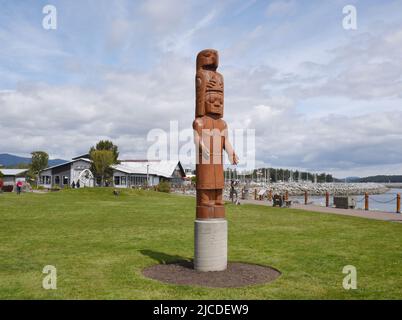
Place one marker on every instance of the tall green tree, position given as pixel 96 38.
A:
pixel 321 177
pixel 107 145
pixel 39 161
pixel 101 159
pixel 101 162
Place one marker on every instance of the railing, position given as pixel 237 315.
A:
pixel 366 198
pixel 269 195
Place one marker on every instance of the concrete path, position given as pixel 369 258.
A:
pixel 376 215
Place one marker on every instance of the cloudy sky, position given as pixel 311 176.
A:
pixel 319 97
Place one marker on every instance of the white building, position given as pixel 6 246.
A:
pixel 65 174
pixel 131 173
pixel 12 176
pixel 128 173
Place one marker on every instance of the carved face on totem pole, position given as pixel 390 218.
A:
pixel 214 104
pixel 210 137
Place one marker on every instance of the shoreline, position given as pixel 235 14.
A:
pixel 315 189
pixel 299 188
pixel 320 189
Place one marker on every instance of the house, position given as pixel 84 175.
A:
pixel 126 174
pixel 12 176
pixel 129 173
pixel 78 169
pixel 190 173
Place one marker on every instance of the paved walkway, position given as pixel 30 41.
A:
pixel 376 215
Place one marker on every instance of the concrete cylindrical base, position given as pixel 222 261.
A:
pixel 210 245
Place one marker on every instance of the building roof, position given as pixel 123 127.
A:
pixel 85 156
pixel 162 168
pixel 63 164
pixel 12 172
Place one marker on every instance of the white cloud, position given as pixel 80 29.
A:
pixel 245 5
pixel 87 86
pixel 176 42
pixel 365 68
pixel 281 8
pixel 66 120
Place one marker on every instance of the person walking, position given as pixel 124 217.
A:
pixel 233 191
pixel 19 187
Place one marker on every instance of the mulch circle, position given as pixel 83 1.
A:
pixel 237 274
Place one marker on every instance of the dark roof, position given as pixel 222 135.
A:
pixel 63 164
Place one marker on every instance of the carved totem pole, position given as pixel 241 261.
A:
pixel 211 138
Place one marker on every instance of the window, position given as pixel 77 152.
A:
pixel 138 181
pixel 116 181
pixel 65 180
pixel 57 180
pixel 123 181
pixel 47 179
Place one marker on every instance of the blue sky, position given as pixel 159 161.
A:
pixel 319 97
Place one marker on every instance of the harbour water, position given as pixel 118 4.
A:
pixel 378 202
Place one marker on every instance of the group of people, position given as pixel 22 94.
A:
pixel 76 185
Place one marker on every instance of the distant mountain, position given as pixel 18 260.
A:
pixel 377 179
pixel 382 179
pixel 9 160
pixel 55 162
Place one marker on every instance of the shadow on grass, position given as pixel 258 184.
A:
pixel 164 258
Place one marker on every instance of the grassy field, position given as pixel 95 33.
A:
pixel 100 243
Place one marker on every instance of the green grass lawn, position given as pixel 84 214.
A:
pixel 100 243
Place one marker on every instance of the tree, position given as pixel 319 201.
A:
pixel 321 177
pixel 39 162
pixel 104 145
pixel 164 186
pixel 107 145
pixel 274 174
pixel 101 162
pixel 21 165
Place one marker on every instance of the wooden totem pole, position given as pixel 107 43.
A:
pixel 211 138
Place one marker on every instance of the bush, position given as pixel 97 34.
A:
pixel 55 187
pixel 164 186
